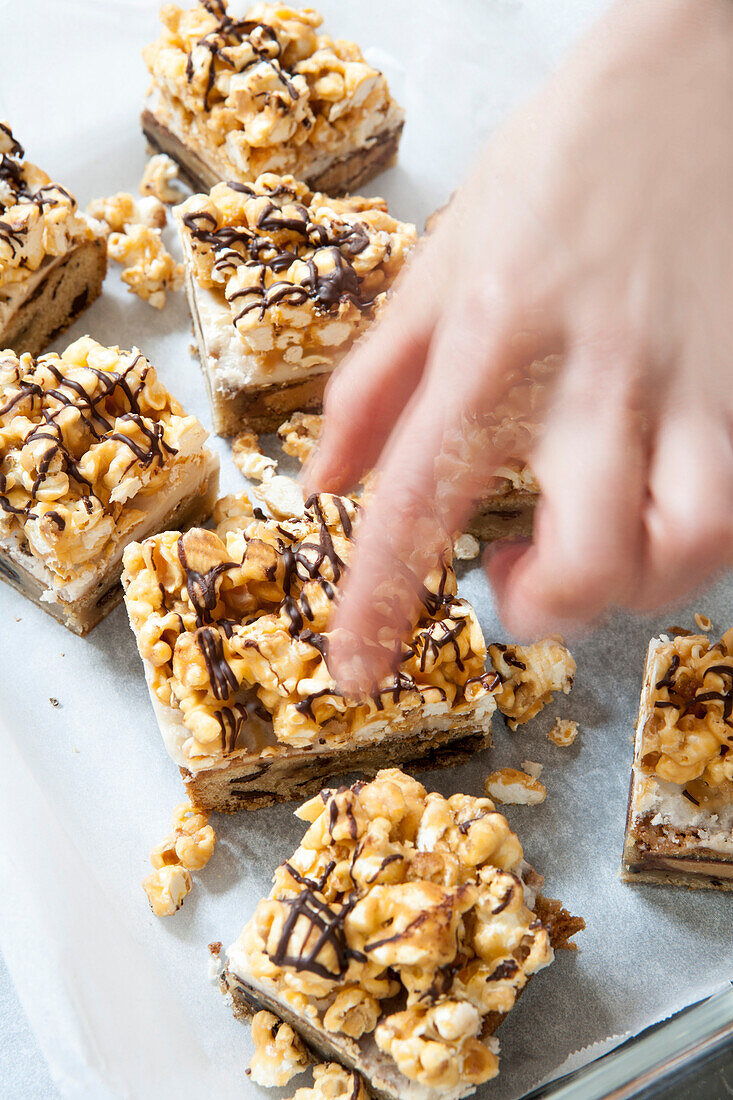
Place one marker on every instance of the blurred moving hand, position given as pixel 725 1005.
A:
pixel 598 224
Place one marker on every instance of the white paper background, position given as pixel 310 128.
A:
pixel 120 1003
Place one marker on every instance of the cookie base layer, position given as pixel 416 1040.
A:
pixel 501 517
pixel 80 617
pixel 343 174
pixel 71 284
pixel 700 869
pixel 301 775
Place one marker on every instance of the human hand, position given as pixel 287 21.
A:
pixel 597 225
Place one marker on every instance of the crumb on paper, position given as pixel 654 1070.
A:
pixel 157 177
pixel 53 702
pixel 466 547
pixel 563 733
pixel 188 848
pixel 703 622
pixel 216 963
pixel 509 785
pixel 531 767
pixel 249 459
pixel 279 1053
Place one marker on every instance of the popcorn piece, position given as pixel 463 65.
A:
pixel 281 281
pixel 52 258
pixel 564 732
pixel 332 1082
pixel 232 98
pixel 680 819
pixel 466 547
pixel 404 921
pixel 233 627
pixel 249 459
pixel 300 435
pixel 703 622
pixel 508 785
pixel 531 767
pixel 156 180
pixel 149 269
pixel 119 211
pixel 188 848
pixel 529 675
pixel 166 888
pixel 279 1054
pixel 93 452
pixel 281 495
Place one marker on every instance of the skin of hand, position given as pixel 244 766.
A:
pixel 598 226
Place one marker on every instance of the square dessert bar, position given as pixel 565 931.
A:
pixel 398 936
pixel 280 282
pixel 52 258
pixel 232 626
pixel 94 452
pixel 232 98
pixel 679 827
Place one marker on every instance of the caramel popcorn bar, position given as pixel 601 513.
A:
pixel 233 629
pixel 94 452
pixel 398 936
pixel 280 282
pixel 53 259
pixel 679 827
pixel 232 98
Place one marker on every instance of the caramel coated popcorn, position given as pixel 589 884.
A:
pixel 264 93
pixel 87 440
pixel 38 218
pixel 188 848
pixel 119 211
pixel 529 675
pixel 300 434
pixel 509 785
pixel 148 267
pixel 332 1082
pixel 402 916
pixel 563 733
pixel 302 274
pixel 156 179
pixel 279 1053
pixel 249 459
pixel 689 733
pixel 233 627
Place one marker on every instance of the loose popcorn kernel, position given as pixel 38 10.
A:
pixel 149 269
pixel 529 675
pixel 531 767
pixel 118 212
pixel 166 888
pixel 466 547
pixel 279 1053
pixel 249 459
pixel 282 496
pixel 300 435
pixel 156 179
pixel 508 785
pixel 564 732
pixel 332 1082
pixel 703 622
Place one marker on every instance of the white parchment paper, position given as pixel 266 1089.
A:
pixel 120 1002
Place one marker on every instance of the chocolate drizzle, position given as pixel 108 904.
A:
pixel 325 921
